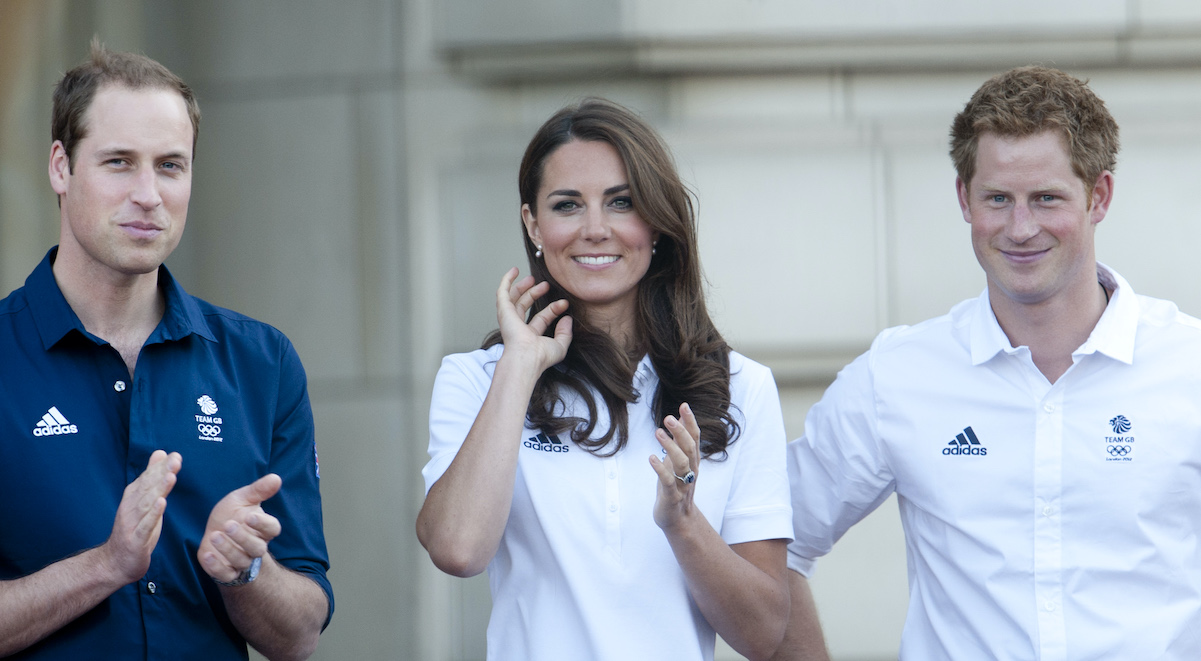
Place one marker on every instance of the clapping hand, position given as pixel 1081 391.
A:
pixel 677 471
pixel 238 529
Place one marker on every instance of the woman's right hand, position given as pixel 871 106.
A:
pixel 514 298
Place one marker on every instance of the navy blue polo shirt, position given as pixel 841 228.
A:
pixel 225 391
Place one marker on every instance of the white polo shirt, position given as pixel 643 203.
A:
pixel 582 571
pixel 1041 521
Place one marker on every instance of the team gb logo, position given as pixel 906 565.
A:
pixel 207 405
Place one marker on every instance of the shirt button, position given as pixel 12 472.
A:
pixel 151 587
pixel 119 386
pixel 1047 510
pixel 612 475
pixel 613 507
pixel 1049 606
pixel 1049 407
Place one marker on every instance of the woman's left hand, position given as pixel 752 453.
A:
pixel 678 469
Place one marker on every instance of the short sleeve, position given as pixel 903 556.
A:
pixel 459 391
pixel 837 470
pixel 758 506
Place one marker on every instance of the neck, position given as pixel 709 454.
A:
pixel 122 310
pixel 1053 329
pixel 617 321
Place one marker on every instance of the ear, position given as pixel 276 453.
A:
pixel 60 168
pixel 531 224
pixel 961 192
pixel 1101 196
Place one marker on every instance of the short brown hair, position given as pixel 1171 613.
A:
pixel 74 93
pixel 1030 100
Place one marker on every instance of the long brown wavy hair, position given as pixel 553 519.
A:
pixel 672 324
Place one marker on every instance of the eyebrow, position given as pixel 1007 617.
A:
pixel 124 152
pixel 568 192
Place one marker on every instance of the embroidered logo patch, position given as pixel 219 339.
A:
pixel 54 424
pixel 546 443
pixel 965 444
pixel 1120 446
pixel 208 425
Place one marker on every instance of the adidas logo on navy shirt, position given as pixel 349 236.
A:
pixel 964 444
pixel 53 424
pixel 546 443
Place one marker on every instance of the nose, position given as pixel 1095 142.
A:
pixel 145 192
pixel 1023 225
pixel 596 225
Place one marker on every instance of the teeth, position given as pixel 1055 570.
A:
pixel 607 259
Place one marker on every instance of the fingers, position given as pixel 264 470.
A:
pixel 229 547
pixel 222 558
pixel 247 538
pixel 139 518
pixel 663 471
pixel 161 470
pixel 519 293
pixel 679 438
pixel 563 332
pixel 261 489
pixel 541 321
pixel 226 552
pixel 149 491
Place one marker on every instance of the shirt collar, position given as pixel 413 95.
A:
pixel 55 319
pixel 1115 330
pixel 1113 335
pixel 645 372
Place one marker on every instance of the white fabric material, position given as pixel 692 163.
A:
pixel 582 571
pixel 1074 536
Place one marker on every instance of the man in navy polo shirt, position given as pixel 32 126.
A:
pixel 157 460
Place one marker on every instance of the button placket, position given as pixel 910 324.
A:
pixel 1048 531
pixel 612 507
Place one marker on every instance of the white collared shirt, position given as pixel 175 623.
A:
pixel 582 571
pixel 1042 521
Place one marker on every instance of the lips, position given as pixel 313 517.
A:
pixel 595 260
pixel 1025 256
pixel 141 229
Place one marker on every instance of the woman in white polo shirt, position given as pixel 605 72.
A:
pixel 606 357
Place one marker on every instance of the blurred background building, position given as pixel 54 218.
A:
pixel 355 186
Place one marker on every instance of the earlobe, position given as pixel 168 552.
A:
pixel 60 168
pixel 961 192
pixel 1101 197
pixel 531 224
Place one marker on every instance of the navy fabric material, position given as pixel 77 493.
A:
pixel 63 471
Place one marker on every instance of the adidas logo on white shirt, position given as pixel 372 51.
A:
pixel 965 444
pixel 53 424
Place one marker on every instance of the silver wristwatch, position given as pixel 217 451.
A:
pixel 247 576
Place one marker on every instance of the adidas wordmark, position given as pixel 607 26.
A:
pixel 54 424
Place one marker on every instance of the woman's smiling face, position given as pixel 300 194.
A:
pixel 595 244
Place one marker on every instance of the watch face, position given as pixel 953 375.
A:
pixel 248 575
pixel 252 572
